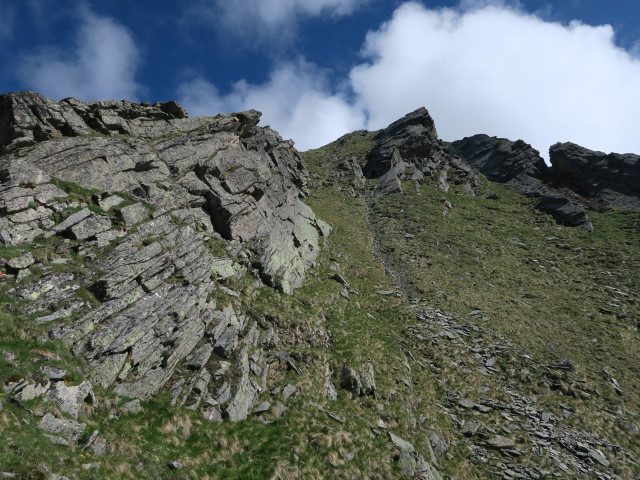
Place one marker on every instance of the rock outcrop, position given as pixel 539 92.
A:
pixel 612 178
pixel 521 165
pixel 409 149
pixel 413 137
pixel 501 160
pixel 161 210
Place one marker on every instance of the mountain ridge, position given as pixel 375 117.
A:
pixel 150 249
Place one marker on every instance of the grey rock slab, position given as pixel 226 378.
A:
pixel 407 464
pixel 340 279
pixel 401 444
pixel 21 262
pixel 330 389
pixel 466 403
pixel 175 465
pixel 599 457
pixel 62 313
pixel 288 391
pixel 108 236
pixel 501 443
pixel 68 429
pixel 15 199
pixel 133 214
pixel 223 267
pixel 499 159
pixel 612 177
pixel 72 219
pixel 33 390
pixel 368 380
pixel 390 182
pixel 71 398
pixel 47 194
pixel 99 448
pixel 279 409
pixel 200 357
pixel 261 407
pixel 132 407
pixel 438 445
pixel 108 202
pixel 350 380
pixel 413 136
pixel 565 211
pixel 58 440
pixel 471 427
pixel 243 391
pixel 53 373
pixel 90 227
pixel 91 439
pixel 212 415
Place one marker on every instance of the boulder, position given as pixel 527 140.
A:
pixel 350 380
pixel 501 443
pixel 65 428
pixel 21 262
pixel 70 399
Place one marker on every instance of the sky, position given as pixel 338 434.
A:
pixel 541 71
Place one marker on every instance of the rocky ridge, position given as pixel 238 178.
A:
pixel 514 414
pixel 158 190
pixel 409 149
pixel 138 238
pixel 606 178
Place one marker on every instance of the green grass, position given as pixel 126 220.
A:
pixel 542 286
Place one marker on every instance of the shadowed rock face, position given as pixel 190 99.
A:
pixel 246 179
pixel 415 138
pixel 613 178
pixel 164 188
pixel 500 160
pixel 519 164
pixel 409 149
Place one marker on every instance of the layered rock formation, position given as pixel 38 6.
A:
pixel 613 178
pixel 159 209
pixel 409 149
pixel 519 164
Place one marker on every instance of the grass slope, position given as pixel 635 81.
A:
pixel 499 264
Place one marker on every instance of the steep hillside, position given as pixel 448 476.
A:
pixel 172 306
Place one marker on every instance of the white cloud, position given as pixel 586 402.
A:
pixel 269 19
pixel 485 67
pixel 296 101
pixel 102 65
pixel 499 71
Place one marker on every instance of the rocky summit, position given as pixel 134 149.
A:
pixel 194 298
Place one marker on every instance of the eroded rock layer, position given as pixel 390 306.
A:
pixel 159 209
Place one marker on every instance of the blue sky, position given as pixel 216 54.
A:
pixel 537 70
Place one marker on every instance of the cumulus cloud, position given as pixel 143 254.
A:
pixel 296 101
pixel 102 65
pixel 497 70
pixel 484 67
pixel 269 19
